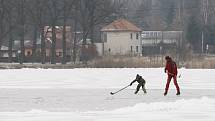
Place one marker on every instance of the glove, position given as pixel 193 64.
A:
pixel 165 70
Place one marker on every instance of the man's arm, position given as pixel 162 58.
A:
pixel 165 69
pixel 133 82
pixel 175 69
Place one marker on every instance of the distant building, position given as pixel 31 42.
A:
pixel 156 41
pixel 59 40
pixel 28 43
pixel 121 37
pixel 4 52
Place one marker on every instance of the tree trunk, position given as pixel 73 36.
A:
pixel 84 53
pixel 63 61
pixel 22 34
pixel 10 47
pixel 1 21
pixel 92 17
pixel 34 44
pixel 53 48
pixel 75 43
pixel 22 55
pixel 43 45
pixel 1 32
pixel 64 45
pixel 92 33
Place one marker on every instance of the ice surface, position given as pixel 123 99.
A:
pixel 81 100
pixel 102 78
pixel 181 110
pixel 84 95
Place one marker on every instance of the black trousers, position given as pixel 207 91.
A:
pixel 138 87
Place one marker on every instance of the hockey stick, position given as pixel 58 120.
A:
pixel 112 93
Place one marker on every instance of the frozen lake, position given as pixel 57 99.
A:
pixel 84 95
pixel 79 100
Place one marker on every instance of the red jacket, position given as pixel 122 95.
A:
pixel 171 68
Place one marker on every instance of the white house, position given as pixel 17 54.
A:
pixel 121 37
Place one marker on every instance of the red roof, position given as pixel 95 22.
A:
pixel 121 25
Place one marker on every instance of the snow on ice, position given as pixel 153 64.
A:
pixel 83 95
pixel 180 110
pixel 102 78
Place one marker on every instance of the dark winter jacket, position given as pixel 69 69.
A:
pixel 139 79
pixel 171 67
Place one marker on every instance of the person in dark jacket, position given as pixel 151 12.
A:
pixel 171 70
pixel 141 82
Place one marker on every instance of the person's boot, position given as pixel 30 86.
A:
pixel 178 93
pixel 135 92
pixel 144 91
pixel 165 93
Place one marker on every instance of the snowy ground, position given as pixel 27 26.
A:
pixel 84 95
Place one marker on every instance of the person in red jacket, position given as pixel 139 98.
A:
pixel 171 70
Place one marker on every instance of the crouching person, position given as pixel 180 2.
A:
pixel 141 82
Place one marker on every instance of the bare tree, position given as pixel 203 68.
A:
pixel 37 15
pixel 2 20
pixel 11 21
pixel 92 13
pixel 64 31
pixel 21 26
pixel 68 7
pixel 75 33
pixel 5 12
pixel 54 13
pixel 7 24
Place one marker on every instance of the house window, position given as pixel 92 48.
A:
pixel 147 34
pixel 60 54
pixel 137 36
pixel 137 49
pixel 131 35
pixel 155 34
pixel 131 48
pixel 159 34
pixel 151 34
pixel 28 53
